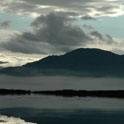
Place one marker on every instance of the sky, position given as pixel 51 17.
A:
pixel 33 29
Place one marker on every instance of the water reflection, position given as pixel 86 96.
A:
pixel 54 102
pixel 46 116
pixel 43 109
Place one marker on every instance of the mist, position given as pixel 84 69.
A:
pixel 61 82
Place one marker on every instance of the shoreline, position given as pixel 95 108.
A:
pixel 67 93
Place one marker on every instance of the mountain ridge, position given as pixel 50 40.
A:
pixel 82 61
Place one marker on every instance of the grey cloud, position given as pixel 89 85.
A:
pixel 88 18
pixel 82 7
pixel 52 33
pixel 60 16
pixel 107 39
pixel 22 45
pixel 96 34
pixel 89 27
pixel 55 33
pixel 5 24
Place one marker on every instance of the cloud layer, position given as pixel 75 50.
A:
pixel 82 7
pixel 55 33
pixel 51 33
pixel 7 60
pixel 54 29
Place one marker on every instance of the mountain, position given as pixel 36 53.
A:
pixel 79 62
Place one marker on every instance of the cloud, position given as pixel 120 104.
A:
pixel 88 27
pixel 119 46
pixel 10 59
pixel 6 34
pixel 97 36
pixel 102 39
pixel 88 18
pixel 5 24
pixel 83 7
pixel 51 33
pixel 12 120
pixel 57 33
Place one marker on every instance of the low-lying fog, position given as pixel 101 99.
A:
pixel 61 82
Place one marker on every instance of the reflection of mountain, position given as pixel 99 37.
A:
pixel 81 62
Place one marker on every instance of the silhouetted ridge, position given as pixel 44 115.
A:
pixel 80 62
pixel 84 93
pixel 67 93
pixel 14 92
pixel 90 51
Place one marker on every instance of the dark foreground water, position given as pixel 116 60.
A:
pixel 41 109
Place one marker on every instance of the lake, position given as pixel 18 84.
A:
pixel 41 109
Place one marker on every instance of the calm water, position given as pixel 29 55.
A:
pixel 41 109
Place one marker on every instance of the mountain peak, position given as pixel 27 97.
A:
pixel 90 51
pixel 82 61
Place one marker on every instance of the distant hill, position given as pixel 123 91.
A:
pixel 79 62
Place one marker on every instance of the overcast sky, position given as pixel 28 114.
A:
pixel 32 29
